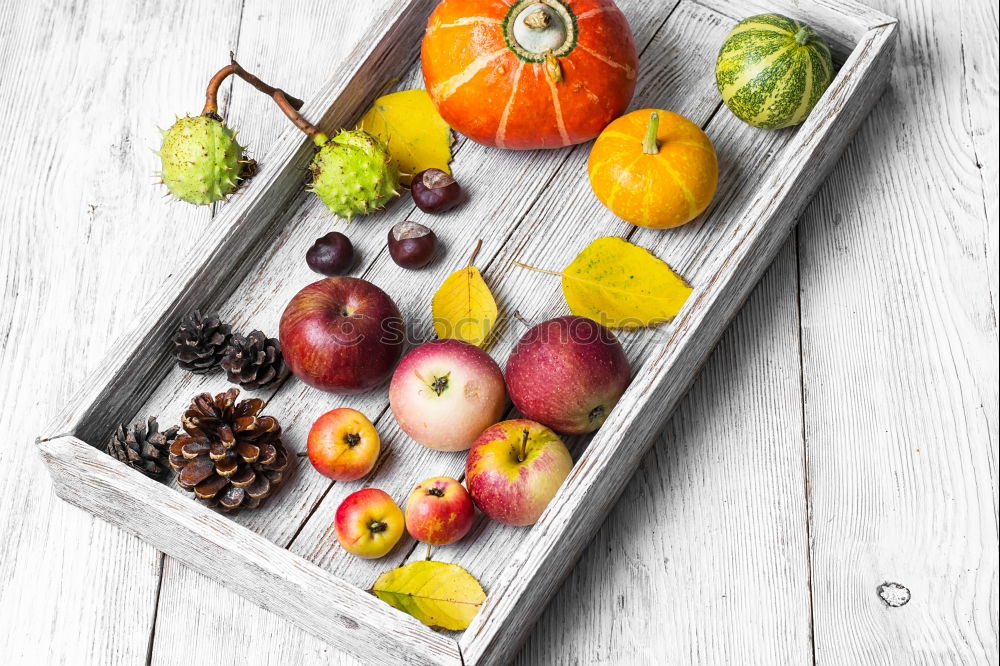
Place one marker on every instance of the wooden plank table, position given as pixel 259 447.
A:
pixel 843 436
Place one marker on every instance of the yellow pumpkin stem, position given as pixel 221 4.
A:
pixel 553 67
pixel 650 145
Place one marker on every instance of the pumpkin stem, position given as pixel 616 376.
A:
pixel 553 67
pixel 538 20
pixel 802 36
pixel 650 145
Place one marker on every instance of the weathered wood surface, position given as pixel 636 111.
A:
pixel 256 568
pixel 571 637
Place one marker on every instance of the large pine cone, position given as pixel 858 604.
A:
pixel 200 342
pixel 229 456
pixel 254 362
pixel 142 447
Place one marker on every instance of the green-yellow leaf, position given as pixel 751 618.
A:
pixel 439 594
pixel 417 135
pixel 621 285
pixel 463 307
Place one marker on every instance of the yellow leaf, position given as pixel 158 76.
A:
pixel 621 285
pixel 417 135
pixel 463 307
pixel 440 595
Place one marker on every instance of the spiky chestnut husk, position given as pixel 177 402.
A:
pixel 202 162
pixel 354 174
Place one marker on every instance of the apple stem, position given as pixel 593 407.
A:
pixel 520 317
pixel 302 454
pixel 475 251
pixel 428 557
pixel 523 453
pixel 537 270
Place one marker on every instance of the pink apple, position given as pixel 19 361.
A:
pixel 341 335
pixel 439 511
pixel 445 392
pixel 514 470
pixel 568 373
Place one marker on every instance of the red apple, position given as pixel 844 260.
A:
pixel 568 373
pixel 343 444
pixel 439 511
pixel 341 335
pixel 514 470
pixel 368 523
pixel 445 392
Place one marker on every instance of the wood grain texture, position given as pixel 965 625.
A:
pixel 734 266
pixel 711 530
pixel 902 443
pixel 262 636
pixel 72 585
pixel 84 240
pixel 259 570
pixel 231 245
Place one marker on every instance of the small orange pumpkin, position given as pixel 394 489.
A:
pixel 526 74
pixel 654 169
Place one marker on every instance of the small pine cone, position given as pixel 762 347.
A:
pixel 254 362
pixel 142 447
pixel 200 342
pixel 229 455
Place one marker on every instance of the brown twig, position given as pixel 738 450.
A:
pixel 475 252
pixel 212 93
pixel 297 118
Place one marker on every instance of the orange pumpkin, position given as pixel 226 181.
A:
pixel 526 74
pixel 654 169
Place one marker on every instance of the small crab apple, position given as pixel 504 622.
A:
pixel 368 523
pixel 343 445
pixel 439 511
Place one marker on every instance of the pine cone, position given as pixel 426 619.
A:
pixel 200 342
pixel 142 447
pixel 229 456
pixel 254 362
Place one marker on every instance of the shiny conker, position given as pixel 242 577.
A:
pixel 331 254
pixel 411 245
pixel 434 191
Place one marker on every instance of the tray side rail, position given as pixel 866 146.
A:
pixel 276 579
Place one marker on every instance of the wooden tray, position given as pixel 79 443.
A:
pixel 532 207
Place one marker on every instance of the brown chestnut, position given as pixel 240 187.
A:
pixel 411 245
pixel 434 191
pixel 331 254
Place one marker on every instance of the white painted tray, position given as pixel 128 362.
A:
pixel 536 208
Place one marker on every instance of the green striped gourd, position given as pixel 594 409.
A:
pixel 772 70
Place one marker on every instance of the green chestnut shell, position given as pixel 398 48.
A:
pixel 354 174
pixel 201 161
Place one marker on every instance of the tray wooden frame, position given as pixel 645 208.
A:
pixel 302 592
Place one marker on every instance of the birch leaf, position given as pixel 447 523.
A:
pixel 439 594
pixel 417 136
pixel 463 307
pixel 621 285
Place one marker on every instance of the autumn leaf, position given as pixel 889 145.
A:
pixel 463 307
pixel 439 594
pixel 417 135
pixel 621 285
